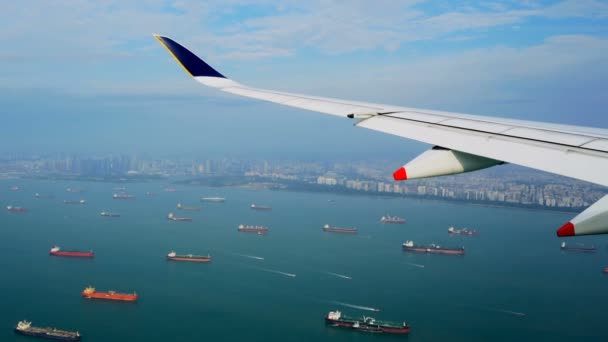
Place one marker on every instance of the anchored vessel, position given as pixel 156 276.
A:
pixel 260 207
pixel 253 229
pixel 109 214
pixel 16 209
pixel 432 248
pixel 213 199
pixel 367 324
pixel 328 228
pixel 392 219
pixel 172 217
pixel 90 292
pixel 123 196
pixel 74 202
pixel 170 190
pixel 452 230
pixel 183 207
pixel 56 251
pixel 583 249
pixel 45 196
pixel 188 257
pixel 25 328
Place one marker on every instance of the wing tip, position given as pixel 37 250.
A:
pixel 193 65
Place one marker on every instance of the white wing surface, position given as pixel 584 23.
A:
pixel 474 141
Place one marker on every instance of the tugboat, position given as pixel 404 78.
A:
pixel 172 217
pixel 188 257
pixel 328 228
pixel 582 249
pixel 253 229
pixel 16 209
pixel 392 219
pixel 432 249
pixel 91 293
pixel 366 324
pixel 452 230
pixel 56 251
pixel 260 207
pixel 25 328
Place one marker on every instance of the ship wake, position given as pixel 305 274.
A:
pixel 339 275
pixel 360 307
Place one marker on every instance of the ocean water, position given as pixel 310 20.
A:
pixel 514 283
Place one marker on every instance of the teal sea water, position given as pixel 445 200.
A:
pixel 514 283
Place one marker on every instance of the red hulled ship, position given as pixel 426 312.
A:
pixel 16 209
pixel 56 251
pixel 91 293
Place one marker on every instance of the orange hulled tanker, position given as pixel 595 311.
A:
pixel 56 251
pixel 91 293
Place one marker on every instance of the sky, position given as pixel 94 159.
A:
pixel 87 76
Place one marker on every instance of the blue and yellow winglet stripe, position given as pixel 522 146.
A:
pixel 189 61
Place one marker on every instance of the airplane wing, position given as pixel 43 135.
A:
pixel 462 142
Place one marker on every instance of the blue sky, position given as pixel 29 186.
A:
pixel 87 76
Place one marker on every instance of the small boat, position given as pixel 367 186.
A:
pixel 16 209
pixel 25 328
pixel 582 249
pixel 188 257
pixel 172 217
pixel 465 231
pixel 432 249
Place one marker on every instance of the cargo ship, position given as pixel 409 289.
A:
pixel 123 196
pixel 109 214
pixel 582 249
pixel 74 191
pixel 56 251
pixel 465 231
pixel 392 219
pixel 605 270
pixel 328 228
pixel 188 257
pixel 366 324
pixel 184 207
pixel 213 199
pixel 91 293
pixel 260 207
pixel 74 201
pixel 432 248
pixel 253 229
pixel 170 190
pixel 44 196
pixel 16 209
pixel 26 328
pixel 172 217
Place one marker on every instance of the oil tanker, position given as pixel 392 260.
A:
pixel 74 202
pixel 91 293
pixel 43 196
pixel 260 207
pixel 123 196
pixel 465 231
pixel 187 208
pixel 328 228
pixel 16 209
pixel 109 214
pixel 213 199
pixel 392 219
pixel 26 328
pixel 56 251
pixel 366 324
pixel 172 217
pixel 253 229
pixel 432 249
pixel 188 257
pixel 582 249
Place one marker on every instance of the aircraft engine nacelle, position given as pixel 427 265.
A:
pixel 440 161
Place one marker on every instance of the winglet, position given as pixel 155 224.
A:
pixel 189 61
